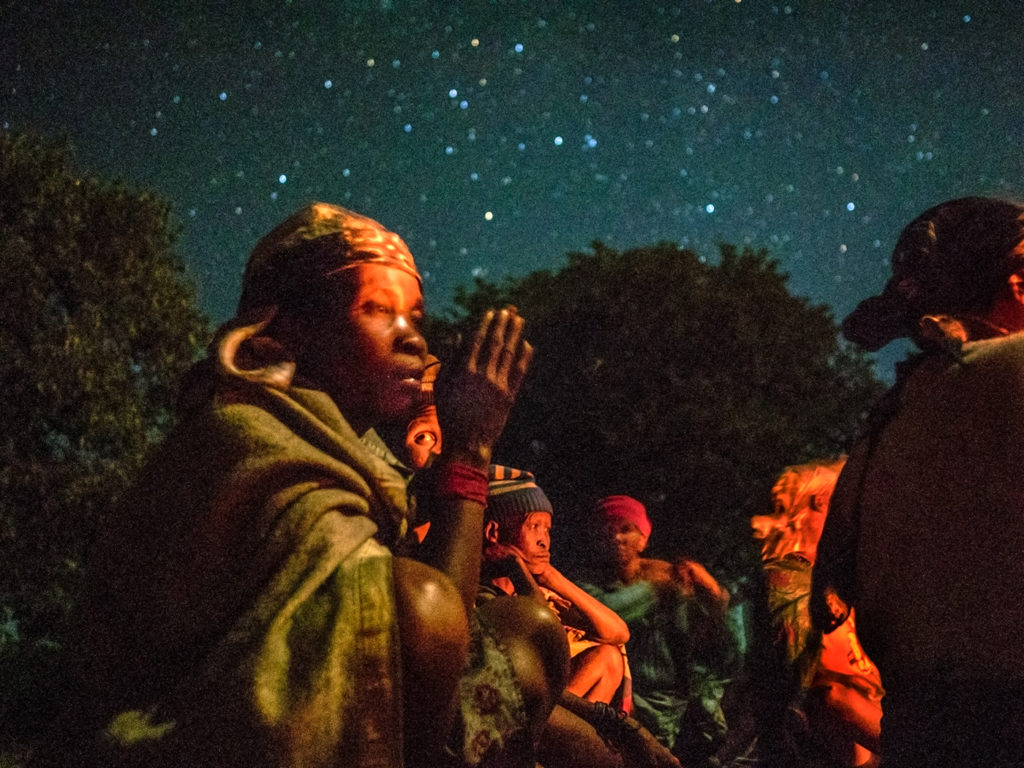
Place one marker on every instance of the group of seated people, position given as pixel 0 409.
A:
pixel 291 585
pixel 651 639
pixel 645 636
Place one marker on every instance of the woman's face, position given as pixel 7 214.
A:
pixel 369 354
pixel 1008 307
pixel 620 542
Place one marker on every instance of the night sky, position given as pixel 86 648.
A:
pixel 495 137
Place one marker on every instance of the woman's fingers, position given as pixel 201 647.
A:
pixel 472 362
pixel 520 365
pixel 496 342
pixel 498 348
pixel 475 402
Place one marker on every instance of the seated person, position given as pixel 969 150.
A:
pixel 517 560
pixel 827 678
pixel 249 606
pixel 680 645
pixel 583 730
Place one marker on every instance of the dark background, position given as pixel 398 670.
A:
pixel 497 136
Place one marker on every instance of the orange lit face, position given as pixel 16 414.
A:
pixel 800 500
pixel 534 540
pixel 423 434
pixel 621 542
pixel 369 354
pixel 1008 307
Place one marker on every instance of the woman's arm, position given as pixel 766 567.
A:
pixel 604 623
pixel 473 403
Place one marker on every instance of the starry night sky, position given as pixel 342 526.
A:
pixel 497 136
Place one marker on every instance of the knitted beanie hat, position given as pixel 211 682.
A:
pixel 511 495
pixel 317 241
pixel 624 508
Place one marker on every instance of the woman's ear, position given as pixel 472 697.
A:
pixel 491 531
pixel 243 349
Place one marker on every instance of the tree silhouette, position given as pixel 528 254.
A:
pixel 686 384
pixel 97 322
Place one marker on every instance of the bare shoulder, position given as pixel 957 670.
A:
pixel 655 570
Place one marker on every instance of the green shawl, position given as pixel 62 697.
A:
pixel 242 610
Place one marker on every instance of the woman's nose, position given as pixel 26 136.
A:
pixel 410 338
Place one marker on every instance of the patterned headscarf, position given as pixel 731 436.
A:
pixel 311 244
pixel 951 260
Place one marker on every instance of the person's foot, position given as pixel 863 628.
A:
pixel 636 744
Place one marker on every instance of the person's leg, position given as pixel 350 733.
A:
pixel 569 741
pixel 597 673
pixel 846 721
pixel 434 638
pixel 587 733
pixel 534 642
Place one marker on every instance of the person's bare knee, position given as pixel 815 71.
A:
pixel 432 620
pixel 606 661
pixel 597 673
pixel 434 637
pixel 534 642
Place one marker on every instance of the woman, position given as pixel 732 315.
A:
pixel 924 535
pixel 827 678
pixel 249 608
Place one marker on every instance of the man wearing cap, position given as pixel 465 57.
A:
pixel 680 647
pixel 517 532
pixel 924 536
pixel 584 729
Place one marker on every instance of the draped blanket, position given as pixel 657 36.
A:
pixel 242 610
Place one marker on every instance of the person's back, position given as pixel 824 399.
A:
pixel 941 550
pixel 189 568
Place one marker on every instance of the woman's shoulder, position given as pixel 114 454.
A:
pixel 654 570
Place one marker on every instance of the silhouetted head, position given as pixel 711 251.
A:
pixel 800 501
pixel 960 259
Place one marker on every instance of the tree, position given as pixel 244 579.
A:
pixel 97 322
pixel 686 384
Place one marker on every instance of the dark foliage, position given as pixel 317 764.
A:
pixel 686 384
pixel 97 322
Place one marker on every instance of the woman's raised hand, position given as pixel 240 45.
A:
pixel 474 397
